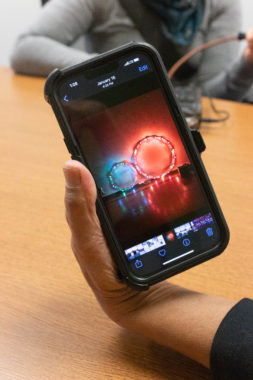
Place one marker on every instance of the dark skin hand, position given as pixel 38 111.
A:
pixel 181 319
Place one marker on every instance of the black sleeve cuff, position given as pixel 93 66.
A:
pixel 231 356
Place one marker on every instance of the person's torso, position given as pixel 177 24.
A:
pixel 121 21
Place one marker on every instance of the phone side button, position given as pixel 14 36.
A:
pixel 69 147
pixel 198 139
pixel 73 150
pixel 76 158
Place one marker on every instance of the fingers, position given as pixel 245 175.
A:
pixel 249 36
pixel 249 48
pixel 88 242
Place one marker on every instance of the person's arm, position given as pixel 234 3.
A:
pixel 232 349
pixel 223 19
pixel 236 81
pixel 222 73
pixel 47 44
pixel 178 318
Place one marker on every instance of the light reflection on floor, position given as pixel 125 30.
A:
pixel 150 205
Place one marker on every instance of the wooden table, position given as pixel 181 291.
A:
pixel 51 327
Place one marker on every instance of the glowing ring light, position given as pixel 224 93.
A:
pixel 154 157
pixel 122 176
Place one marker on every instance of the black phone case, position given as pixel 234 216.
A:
pixel 192 140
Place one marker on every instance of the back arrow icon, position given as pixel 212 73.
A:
pixel 66 98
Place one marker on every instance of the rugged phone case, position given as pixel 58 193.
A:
pixel 192 139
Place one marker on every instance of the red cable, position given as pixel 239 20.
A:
pixel 218 41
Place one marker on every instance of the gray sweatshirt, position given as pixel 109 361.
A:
pixel 106 24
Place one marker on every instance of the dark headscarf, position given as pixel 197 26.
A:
pixel 181 18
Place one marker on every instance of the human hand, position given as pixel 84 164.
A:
pixel 248 52
pixel 183 320
pixel 122 303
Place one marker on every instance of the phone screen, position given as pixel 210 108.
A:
pixel 122 122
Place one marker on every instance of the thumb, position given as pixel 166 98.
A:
pixel 80 199
pixel 88 241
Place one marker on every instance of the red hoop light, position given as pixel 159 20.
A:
pixel 154 157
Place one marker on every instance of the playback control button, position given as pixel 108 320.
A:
pixel 162 252
pixel 138 264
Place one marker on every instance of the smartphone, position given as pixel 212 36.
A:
pixel 120 118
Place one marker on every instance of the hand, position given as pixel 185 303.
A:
pixel 185 321
pixel 122 303
pixel 248 53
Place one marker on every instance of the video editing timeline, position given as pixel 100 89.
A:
pixel 145 247
pixel 183 234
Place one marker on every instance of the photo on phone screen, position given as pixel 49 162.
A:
pixel 121 120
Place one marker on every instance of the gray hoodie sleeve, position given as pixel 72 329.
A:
pixel 233 74
pixel 47 44
pixel 232 84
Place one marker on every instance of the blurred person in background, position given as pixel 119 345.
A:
pixel 174 27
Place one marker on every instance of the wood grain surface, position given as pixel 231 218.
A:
pixel 51 326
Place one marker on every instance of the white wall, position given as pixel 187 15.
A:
pixel 247 8
pixel 15 15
